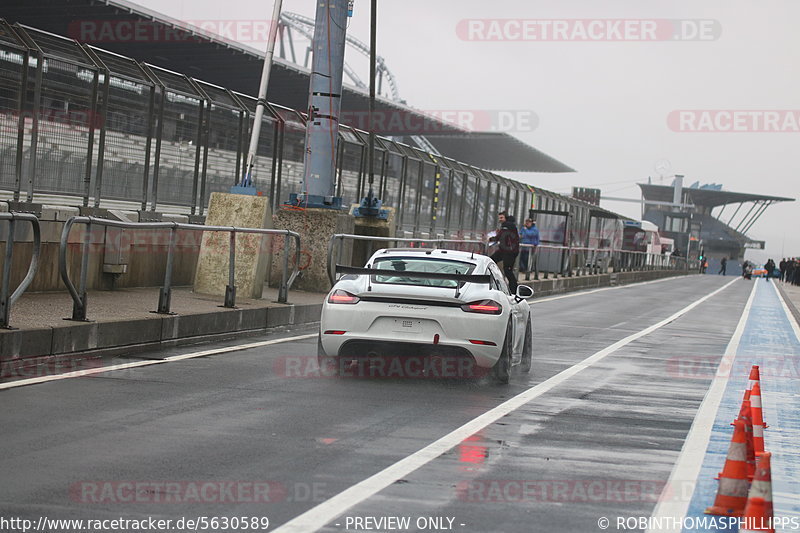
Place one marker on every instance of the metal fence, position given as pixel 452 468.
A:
pixel 92 126
pixel 79 294
pixel 7 297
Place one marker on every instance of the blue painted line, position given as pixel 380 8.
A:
pixel 770 342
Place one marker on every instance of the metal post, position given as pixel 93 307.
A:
pixel 283 291
pixel 159 136
pixel 262 92
pixel 37 97
pixel 87 178
pixel 79 309
pixel 101 147
pixel 230 289
pixel 21 127
pixel 198 152
pixel 5 305
pixel 148 147
pixel 372 60
pixel 165 295
pixel 204 167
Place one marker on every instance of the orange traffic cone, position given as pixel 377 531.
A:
pixel 732 492
pixel 755 377
pixel 758 419
pixel 744 416
pixel 758 511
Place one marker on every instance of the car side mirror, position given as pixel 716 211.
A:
pixel 524 292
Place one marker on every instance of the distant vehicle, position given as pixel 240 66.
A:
pixel 415 303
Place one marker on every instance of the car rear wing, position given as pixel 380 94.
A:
pixel 468 278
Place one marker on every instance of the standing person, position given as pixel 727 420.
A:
pixel 770 268
pixel 507 248
pixel 782 266
pixel 528 234
pixel 723 266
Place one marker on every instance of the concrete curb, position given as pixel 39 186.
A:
pixel 100 338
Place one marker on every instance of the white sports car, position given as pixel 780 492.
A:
pixel 414 306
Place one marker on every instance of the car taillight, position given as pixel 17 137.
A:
pixel 342 297
pixel 486 307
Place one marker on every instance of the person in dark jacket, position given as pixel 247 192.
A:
pixel 723 266
pixel 782 266
pixel 507 248
pixel 770 268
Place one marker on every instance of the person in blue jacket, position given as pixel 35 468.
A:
pixel 528 234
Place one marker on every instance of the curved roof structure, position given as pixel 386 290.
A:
pixel 706 197
pixel 183 48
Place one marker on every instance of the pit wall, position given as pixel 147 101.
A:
pixel 117 258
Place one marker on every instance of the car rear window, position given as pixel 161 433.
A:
pixel 405 266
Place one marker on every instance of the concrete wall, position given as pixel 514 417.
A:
pixel 549 287
pixel 130 336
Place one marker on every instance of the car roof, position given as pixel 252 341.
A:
pixel 455 255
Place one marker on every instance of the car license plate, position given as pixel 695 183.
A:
pixel 403 325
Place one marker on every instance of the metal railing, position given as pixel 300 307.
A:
pixel 421 243
pixel 582 261
pixel 79 296
pixel 6 300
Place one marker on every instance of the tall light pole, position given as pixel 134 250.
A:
pixel 370 205
pixel 246 186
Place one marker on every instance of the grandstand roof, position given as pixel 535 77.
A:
pixel 706 197
pixel 183 48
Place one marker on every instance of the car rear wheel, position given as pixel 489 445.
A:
pixel 502 368
pixel 527 349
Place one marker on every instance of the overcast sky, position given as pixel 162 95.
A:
pixel 602 106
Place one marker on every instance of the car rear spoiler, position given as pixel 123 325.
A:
pixel 469 278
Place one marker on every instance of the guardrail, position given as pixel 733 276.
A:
pixel 580 261
pixel 423 243
pixel 79 296
pixel 6 300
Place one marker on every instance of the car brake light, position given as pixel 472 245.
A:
pixel 335 332
pixel 486 307
pixel 342 297
pixel 484 343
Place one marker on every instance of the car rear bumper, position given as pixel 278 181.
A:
pixel 430 330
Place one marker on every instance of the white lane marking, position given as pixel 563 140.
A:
pixel 324 513
pixel 136 364
pixel 582 293
pixel 690 460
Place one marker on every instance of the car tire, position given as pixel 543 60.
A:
pixel 501 371
pixel 328 364
pixel 527 349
